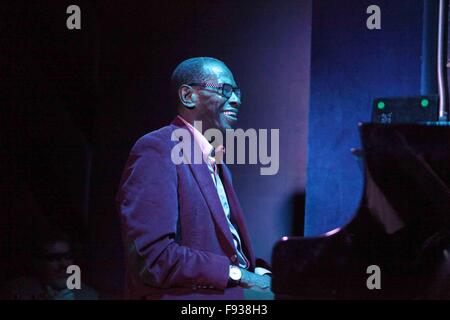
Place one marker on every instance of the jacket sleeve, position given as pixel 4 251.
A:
pixel 148 205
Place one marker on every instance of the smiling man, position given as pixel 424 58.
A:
pixel 183 226
pixel 213 98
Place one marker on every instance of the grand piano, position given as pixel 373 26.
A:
pixel 402 225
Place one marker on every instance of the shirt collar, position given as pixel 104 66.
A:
pixel 199 138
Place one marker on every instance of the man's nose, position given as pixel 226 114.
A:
pixel 234 100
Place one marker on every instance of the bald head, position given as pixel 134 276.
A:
pixel 194 70
pixel 198 92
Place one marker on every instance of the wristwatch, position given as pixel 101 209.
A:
pixel 234 277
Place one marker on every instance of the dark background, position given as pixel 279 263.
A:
pixel 350 66
pixel 74 102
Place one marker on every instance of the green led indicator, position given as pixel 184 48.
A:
pixel 424 103
pixel 381 105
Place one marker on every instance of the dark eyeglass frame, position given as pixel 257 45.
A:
pixel 226 89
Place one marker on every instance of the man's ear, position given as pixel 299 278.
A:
pixel 187 96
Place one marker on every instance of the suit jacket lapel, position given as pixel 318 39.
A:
pixel 209 191
pixel 237 214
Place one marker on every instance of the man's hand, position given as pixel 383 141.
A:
pixel 255 282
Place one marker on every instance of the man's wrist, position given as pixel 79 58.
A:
pixel 234 276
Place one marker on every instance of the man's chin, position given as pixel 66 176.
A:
pixel 228 125
pixel 223 130
pixel 222 126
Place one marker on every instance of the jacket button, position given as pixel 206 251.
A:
pixel 234 258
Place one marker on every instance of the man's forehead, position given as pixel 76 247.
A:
pixel 218 72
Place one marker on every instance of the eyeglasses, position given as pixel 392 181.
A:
pixel 226 89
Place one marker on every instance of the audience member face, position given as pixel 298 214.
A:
pixel 213 108
pixel 56 257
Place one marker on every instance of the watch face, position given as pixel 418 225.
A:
pixel 235 273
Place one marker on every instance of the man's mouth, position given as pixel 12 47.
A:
pixel 230 114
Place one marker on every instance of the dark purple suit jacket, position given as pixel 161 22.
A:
pixel 178 243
